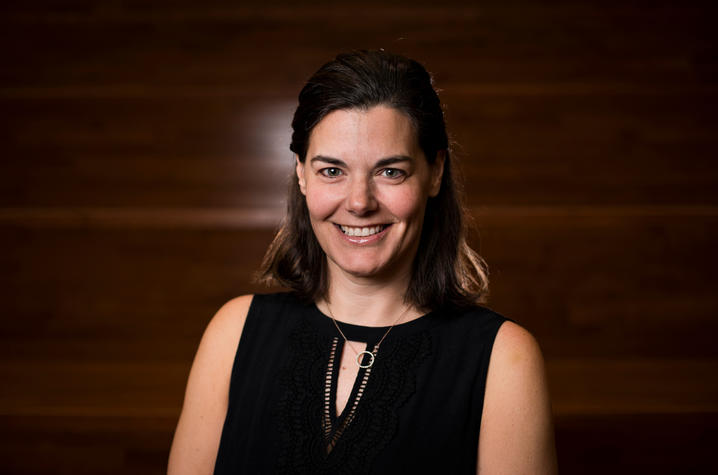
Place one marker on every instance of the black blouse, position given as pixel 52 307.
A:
pixel 417 409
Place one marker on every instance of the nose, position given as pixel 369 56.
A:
pixel 360 197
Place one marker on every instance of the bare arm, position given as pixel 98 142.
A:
pixel 196 440
pixel 516 429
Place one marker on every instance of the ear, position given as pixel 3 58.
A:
pixel 300 175
pixel 437 172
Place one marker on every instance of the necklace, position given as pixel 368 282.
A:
pixel 360 355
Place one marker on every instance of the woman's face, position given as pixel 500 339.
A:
pixel 366 183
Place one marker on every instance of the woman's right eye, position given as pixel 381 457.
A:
pixel 331 172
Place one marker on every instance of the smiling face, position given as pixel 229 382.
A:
pixel 366 182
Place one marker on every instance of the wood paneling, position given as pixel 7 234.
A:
pixel 613 282
pixel 143 162
pixel 647 284
pixel 591 148
pixel 642 443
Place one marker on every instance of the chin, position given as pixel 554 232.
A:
pixel 358 268
pixel 380 271
pixel 361 271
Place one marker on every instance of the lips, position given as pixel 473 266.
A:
pixel 362 231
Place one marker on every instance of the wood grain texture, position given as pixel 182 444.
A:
pixel 143 164
pixel 552 149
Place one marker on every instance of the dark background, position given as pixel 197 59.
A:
pixel 144 156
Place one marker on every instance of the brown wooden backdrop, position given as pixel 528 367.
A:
pixel 144 159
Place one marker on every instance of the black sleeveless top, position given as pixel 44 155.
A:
pixel 417 409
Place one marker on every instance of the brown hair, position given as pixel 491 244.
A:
pixel 445 271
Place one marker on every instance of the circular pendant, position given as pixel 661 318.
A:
pixel 360 357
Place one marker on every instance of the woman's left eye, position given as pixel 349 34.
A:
pixel 392 173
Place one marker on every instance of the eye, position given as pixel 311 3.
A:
pixel 392 173
pixel 331 172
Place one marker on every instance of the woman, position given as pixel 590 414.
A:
pixel 379 360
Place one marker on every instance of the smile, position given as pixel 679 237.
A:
pixel 362 232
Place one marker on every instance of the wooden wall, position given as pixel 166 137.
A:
pixel 144 155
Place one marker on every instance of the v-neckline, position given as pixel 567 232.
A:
pixel 342 346
pixel 335 424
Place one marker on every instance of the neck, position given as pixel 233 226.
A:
pixel 368 302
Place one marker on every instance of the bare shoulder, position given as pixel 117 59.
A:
pixel 517 375
pixel 221 337
pixel 218 346
pixel 516 427
pixel 515 351
pixel 198 432
pixel 228 322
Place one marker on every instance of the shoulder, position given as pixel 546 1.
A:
pixel 517 411
pixel 197 436
pixel 515 348
pixel 477 321
pixel 222 334
pixel 229 319
pixel 219 343
pixel 516 368
pixel 220 339
pixel 510 343
pixel 512 349
pixel 218 346
pixel 246 314
pixel 215 356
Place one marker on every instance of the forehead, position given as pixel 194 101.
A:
pixel 364 133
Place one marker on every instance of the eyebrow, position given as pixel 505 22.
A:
pixel 329 160
pixel 381 163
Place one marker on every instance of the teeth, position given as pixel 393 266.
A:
pixel 361 231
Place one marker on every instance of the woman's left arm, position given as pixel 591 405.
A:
pixel 516 429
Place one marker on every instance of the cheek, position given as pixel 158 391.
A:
pixel 406 204
pixel 320 203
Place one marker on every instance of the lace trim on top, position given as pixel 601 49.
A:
pixel 328 395
pixel 312 441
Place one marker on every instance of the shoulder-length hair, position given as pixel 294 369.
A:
pixel 445 271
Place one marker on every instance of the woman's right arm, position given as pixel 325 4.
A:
pixel 196 440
